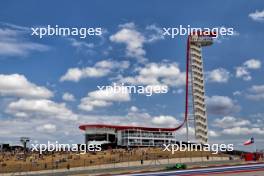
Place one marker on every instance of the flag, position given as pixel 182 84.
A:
pixel 250 141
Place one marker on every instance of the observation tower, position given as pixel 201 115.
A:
pixel 195 107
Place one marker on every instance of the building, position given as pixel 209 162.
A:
pixel 127 136
pixel 195 109
pixel 195 96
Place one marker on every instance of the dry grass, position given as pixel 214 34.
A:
pixel 33 162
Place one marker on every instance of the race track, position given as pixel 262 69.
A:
pixel 245 170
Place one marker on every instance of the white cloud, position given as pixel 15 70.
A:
pixel 100 69
pixel 80 44
pixel 135 117
pixel 103 98
pixel 256 92
pixel 154 33
pixel 243 71
pixel 240 127
pixel 47 128
pixel 40 108
pixel 181 133
pixel 75 74
pixel 18 85
pixel 133 39
pixel 19 49
pixel 163 120
pixel 257 15
pixel 133 109
pixel 15 27
pixel 219 75
pixel 258 89
pixel 253 64
pixel 213 133
pixel 113 64
pixel 140 117
pixel 157 74
pixel 13 42
pixel 258 115
pixel 222 105
pixel 88 104
pixel 229 121
pixel 41 129
pixel 68 97
pixel 243 131
pixel 160 70
pixel 236 93
pixel 138 80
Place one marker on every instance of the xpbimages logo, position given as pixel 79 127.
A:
pixel 56 30
pixel 172 32
pixel 183 147
pixel 123 89
pixel 57 147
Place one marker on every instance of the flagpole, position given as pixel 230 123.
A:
pixel 255 149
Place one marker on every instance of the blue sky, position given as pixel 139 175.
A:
pixel 32 69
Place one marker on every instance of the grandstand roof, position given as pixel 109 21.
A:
pixel 119 127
